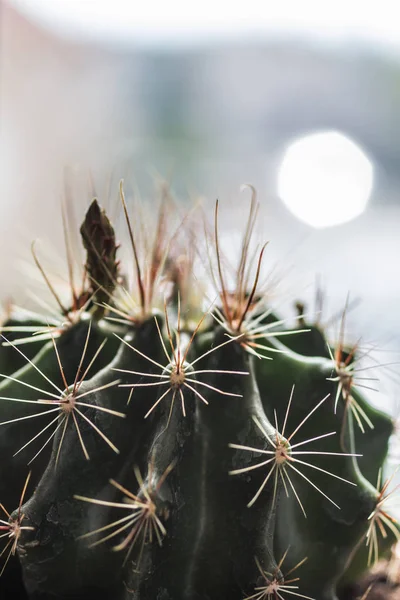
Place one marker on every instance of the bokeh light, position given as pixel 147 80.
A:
pixel 325 179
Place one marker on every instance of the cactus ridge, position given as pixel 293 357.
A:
pixel 188 452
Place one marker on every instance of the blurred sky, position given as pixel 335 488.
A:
pixel 158 22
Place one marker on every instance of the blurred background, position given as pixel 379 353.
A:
pixel 302 100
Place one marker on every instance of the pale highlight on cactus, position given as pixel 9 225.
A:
pixel 197 444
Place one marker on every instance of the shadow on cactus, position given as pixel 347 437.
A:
pixel 184 445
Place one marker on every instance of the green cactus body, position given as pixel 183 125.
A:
pixel 205 461
pixel 10 360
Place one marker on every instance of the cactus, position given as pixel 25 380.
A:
pixel 172 446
